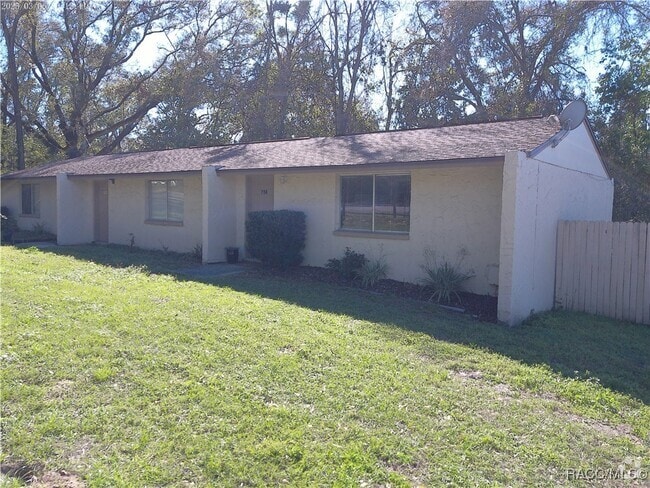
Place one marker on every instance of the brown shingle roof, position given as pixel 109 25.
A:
pixel 471 141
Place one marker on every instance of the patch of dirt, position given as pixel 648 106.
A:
pixel 286 350
pixel 503 390
pixel 58 479
pixel 77 456
pixel 472 375
pixel 60 389
pixel 622 430
pixel 481 307
pixel 415 473
pixel 20 470
pixel 34 475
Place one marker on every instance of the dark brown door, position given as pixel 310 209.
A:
pixel 101 211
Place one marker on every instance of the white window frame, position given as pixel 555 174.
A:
pixel 35 201
pixel 374 203
pixel 167 219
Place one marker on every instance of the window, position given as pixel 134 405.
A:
pixel 376 203
pixel 30 200
pixel 166 200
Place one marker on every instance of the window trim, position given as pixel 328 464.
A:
pixel 378 234
pixel 350 232
pixel 167 221
pixel 35 201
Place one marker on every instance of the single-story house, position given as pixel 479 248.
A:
pixel 490 192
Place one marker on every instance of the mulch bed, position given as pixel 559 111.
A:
pixel 481 307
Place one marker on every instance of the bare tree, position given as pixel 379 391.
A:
pixel 482 59
pixel 80 57
pixel 10 20
pixel 350 36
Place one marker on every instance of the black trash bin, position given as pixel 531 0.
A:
pixel 232 255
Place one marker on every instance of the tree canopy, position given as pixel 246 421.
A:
pixel 82 77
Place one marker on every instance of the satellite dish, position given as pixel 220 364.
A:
pixel 573 115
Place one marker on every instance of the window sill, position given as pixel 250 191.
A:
pixel 29 216
pixel 169 223
pixel 399 236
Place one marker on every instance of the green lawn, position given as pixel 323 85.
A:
pixel 118 370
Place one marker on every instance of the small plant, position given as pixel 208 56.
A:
pixel 348 266
pixel 103 374
pixel 131 240
pixel 8 224
pixel 443 278
pixel 164 248
pixel 197 252
pixel 39 229
pixel 371 272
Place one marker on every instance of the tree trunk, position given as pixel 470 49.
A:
pixel 9 31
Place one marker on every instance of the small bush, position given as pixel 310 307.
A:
pixel 8 224
pixel 197 252
pixel 39 228
pixel 443 279
pixel 371 272
pixel 276 237
pixel 349 265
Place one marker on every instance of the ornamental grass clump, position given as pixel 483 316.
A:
pixel 442 278
pixel 372 272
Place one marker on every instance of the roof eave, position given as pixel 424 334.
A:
pixel 13 176
pixel 360 166
pixel 594 141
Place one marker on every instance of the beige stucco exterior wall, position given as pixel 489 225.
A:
pixel 224 200
pixel 12 198
pixel 74 206
pixel 127 209
pixel 537 193
pixel 67 209
pixel 453 208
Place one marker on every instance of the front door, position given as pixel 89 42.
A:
pixel 101 211
pixel 259 193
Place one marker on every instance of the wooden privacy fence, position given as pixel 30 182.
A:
pixel 604 268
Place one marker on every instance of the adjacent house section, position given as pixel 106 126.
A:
pixel 487 196
pixel 31 201
pixel 540 188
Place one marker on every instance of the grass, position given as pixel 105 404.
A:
pixel 118 369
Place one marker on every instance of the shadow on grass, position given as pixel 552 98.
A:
pixel 573 344
pixel 118 256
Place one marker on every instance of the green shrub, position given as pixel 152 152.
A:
pixel 371 272
pixel 8 224
pixel 39 229
pixel 276 237
pixel 347 266
pixel 197 252
pixel 442 278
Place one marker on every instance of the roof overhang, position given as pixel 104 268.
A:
pixel 9 177
pixel 98 176
pixel 352 168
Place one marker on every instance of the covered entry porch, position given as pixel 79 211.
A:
pixel 227 200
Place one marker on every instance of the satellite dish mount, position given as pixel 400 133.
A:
pixel 573 115
pixel 570 118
